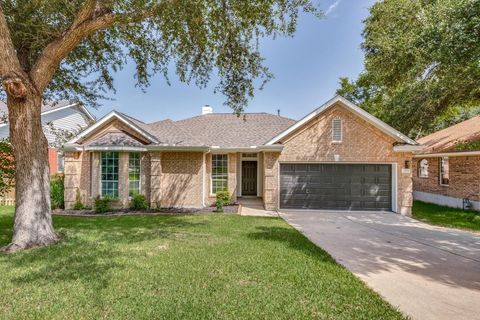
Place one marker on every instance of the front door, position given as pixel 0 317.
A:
pixel 249 178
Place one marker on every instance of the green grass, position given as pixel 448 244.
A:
pixel 180 267
pixel 445 216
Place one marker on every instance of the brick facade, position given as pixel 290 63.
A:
pixel 183 179
pixel 361 143
pixel 464 175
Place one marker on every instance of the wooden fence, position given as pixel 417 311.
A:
pixel 8 199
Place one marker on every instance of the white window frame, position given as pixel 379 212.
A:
pixel 333 130
pixel 106 180
pixel 441 171
pixel 420 173
pixel 139 172
pixel 211 174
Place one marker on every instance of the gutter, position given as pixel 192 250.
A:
pixel 448 154
pixel 276 147
pixel 408 148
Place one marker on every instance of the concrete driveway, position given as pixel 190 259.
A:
pixel 427 272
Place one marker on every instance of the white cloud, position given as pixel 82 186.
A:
pixel 332 7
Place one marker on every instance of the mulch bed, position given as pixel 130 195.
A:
pixel 233 209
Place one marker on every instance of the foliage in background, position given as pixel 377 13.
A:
pixel 468 146
pixel 196 38
pixel 57 192
pixel 222 199
pixel 102 204
pixel 78 205
pixel 422 64
pixel 138 202
pixel 7 167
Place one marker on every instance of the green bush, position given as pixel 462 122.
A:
pixel 138 202
pixel 78 205
pixel 56 192
pixel 223 199
pixel 102 204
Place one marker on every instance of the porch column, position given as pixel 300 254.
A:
pixel 155 178
pixel 270 180
pixel 232 176
pixel 123 179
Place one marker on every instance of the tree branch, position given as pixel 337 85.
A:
pixel 51 57
pixel 11 73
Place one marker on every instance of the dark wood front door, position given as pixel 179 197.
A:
pixel 249 178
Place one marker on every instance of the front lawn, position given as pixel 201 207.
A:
pixel 180 267
pixel 446 216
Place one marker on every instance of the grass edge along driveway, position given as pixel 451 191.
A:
pixel 446 216
pixel 180 267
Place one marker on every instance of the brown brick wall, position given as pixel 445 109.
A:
pixel 181 179
pixel 77 177
pixel 464 177
pixel 361 142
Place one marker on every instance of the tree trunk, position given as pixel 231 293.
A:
pixel 33 220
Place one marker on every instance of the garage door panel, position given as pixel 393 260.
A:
pixel 335 186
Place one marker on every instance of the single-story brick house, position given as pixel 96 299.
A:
pixel 447 172
pixel 338 157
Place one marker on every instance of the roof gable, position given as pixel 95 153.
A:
pixel 339 100
pixel 111 117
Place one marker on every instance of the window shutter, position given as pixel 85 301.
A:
pixel 336 130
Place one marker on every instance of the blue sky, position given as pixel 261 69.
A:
pixel 306 69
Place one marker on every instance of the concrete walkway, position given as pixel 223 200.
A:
pixel 427 272
pixel 254 207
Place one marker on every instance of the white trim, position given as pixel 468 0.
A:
pixel 357 110
pixel 105 119
pixel 177 148
pixel 440 162
pixel 204 173
pixel 395 188
pixel 116 148
pixel 448 154
pixel 252 149
pixel 408 148
pixel 241 174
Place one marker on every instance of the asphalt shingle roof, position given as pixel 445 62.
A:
pixel 115 139
pixel 448 139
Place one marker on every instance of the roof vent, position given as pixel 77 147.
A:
pixel 207 109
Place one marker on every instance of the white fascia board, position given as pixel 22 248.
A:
pixel 177 148
pixel 408 148
pixel 359 111
pixel 116 148
pixel 87 113
pixel 448 154
pixel 105 119
pixel 277 147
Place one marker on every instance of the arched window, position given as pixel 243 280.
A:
pixel 423 168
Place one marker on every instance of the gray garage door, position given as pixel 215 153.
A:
pixel 336 186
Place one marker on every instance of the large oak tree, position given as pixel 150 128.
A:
pixel 422 63
pixel 51 49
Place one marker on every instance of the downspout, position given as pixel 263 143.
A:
pixel 204 173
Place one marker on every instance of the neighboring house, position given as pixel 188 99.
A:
pixel 338 157
pixel 59 119
pixel 447 171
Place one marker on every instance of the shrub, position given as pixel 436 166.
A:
pixel 78 205
pixel 102 204
pixel 56 192
pixel 138 202
pixel 223 199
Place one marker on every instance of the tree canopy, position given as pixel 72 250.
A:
pixel 422 63
pixel 94 38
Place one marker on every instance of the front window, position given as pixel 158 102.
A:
pixel 110 174
pixel 60 162
pixel 219 173
pixel 133 173
pixel 423 168
pixel 444 171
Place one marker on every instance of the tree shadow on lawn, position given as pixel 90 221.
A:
pixel 293 239
pixel 85 254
